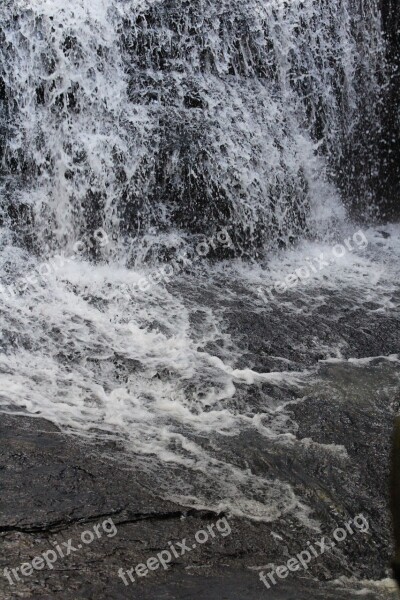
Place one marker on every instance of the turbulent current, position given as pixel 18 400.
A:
pixel 178 266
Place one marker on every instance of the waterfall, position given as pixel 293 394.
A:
pixel 164 120
pixel 164 123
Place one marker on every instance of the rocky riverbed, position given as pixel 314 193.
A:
pixel 326 451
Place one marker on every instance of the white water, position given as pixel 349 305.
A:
pixel 149 118
pixel 93 116
pixel 77 352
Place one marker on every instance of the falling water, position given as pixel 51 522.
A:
pixel 162 123
pixel 157 120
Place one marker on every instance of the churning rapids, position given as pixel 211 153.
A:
pixel 210 141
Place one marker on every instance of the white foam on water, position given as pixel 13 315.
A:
pixel 74 349
pixel 364 587
pixel 393 358
pixel 77 351
pixel 366 275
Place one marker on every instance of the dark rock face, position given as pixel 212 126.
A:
pixel 54 488
pixel 372 153
pixel 390 145
pixel 395 496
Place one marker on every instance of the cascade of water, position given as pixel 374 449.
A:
pixel 165 119
pixel 161 121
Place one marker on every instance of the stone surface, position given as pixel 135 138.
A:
pixel 55 487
